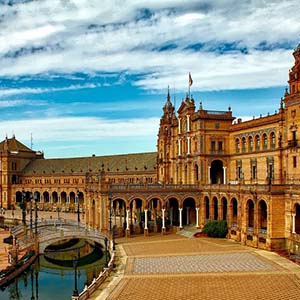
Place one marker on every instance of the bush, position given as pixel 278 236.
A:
pixel 216 229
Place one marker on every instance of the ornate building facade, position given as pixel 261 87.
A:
pixel 208 166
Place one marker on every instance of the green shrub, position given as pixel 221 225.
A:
pixel 217 229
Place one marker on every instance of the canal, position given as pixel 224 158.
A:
pixel 52 276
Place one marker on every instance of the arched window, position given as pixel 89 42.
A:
pixel 243 144
pixel 250 142
pixel 263 215
pixel 250 206
pixel 257 143
pixel 273 141
pixel 265 142
pixel 237 146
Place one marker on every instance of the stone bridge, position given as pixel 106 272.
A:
pixel 53 230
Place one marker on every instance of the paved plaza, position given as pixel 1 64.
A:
pixel 179 268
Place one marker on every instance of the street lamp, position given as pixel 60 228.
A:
pixel 23 207
pixel 35 214
pixel 111 230
pixel 105 243
pixel 78 211
pixel 30 199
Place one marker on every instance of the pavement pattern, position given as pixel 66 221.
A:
pixel 179 268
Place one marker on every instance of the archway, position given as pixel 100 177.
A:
pixel 189 212
pixel 297 218
pixel 263 215
pixel 216 213
pixel 234 211
pixel 136 216
pixel 18 197
pixel 119 216
pixel 216 172
pixel 224 209
pixel 250 215
pixel 173 212
pixel 207 212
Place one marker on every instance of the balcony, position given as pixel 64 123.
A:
pixel 293 143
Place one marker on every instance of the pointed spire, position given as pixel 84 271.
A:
pixel 168 103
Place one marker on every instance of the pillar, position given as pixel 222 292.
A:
pixel 293 223
pixel 163 222
pixel 180 218
pixel 208 175
pixel 146 231
pixel 188 145
pixel 127 223
pixel 197 217
pixel 224 175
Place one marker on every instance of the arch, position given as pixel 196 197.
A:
pixel 207 205
pixel 54 197
pixel 216 172
pixel 63 197
pixel 257 142
pixel 37 196
pixel 243 144
pixel 250 214
pixel 272 140
pixel 215 205
pixel 189 211
pixel 18 197
pixel 262 215
pixel 224 209
pixel 250 143
pixel 119 213
pixel 237 145
pixel 154 214
pixel 265 141
pixel 234 212
pixel 172 207
pixel 297 218
pixel 46 197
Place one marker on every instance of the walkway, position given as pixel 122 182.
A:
pixel 178 268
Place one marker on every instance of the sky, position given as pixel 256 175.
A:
pixel 83 77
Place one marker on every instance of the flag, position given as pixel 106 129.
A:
pixel 190 79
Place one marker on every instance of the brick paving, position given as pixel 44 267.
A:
pixel 174 268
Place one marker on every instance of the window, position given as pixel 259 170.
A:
pixel 295 161
pixel 237 146
pixel 213 146
pixel 273 141
pixel 220 143
pixel 257 143
pixel 243 144
pixel 250 144
pixel 265 142
pixel 254 172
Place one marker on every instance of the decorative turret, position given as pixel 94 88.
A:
pixel 293 96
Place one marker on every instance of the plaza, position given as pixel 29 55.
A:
pixel 177 267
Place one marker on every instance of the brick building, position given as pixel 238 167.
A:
pixel 208 166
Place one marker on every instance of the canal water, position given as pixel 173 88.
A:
pixel 50 277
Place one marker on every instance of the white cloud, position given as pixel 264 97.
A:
pixel 80 128
pixel 18 91
pixel 120 40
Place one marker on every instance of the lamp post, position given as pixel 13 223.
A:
pixel 111 230
pixel 35 214
pixel 105 243
pixel 78 211
pixel 23 207
pixel 30 199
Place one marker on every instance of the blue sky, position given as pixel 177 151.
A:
pixel 90 77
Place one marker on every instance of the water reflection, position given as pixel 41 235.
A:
pixel 49 278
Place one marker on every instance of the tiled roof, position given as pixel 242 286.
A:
pixel 13 145
pixel 112 163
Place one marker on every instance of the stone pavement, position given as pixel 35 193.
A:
pixel 175 267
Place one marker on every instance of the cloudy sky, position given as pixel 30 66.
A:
pixel 90 76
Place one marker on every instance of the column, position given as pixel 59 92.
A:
pixel 180 218
pixel 163 222
pixel 146 232
pixel 224 175
pixel 208 175
pixel 188 122
pixel 179 147
pixel 179 125
pixel 189 145
pixel 197 217
pixel 127 219
pixel 187 216
pixel 293 223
